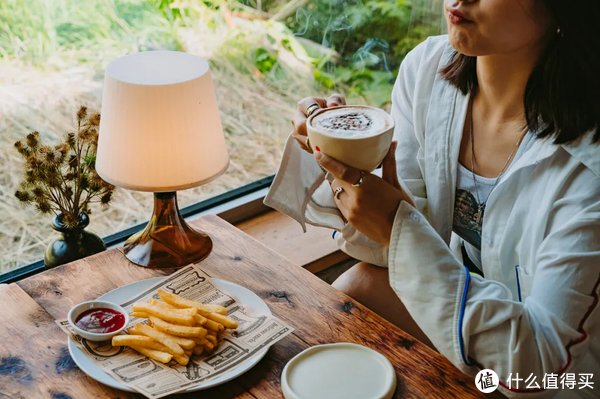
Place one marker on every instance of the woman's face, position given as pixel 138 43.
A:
pixel 485 27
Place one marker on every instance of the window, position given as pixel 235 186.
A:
pixel 264 56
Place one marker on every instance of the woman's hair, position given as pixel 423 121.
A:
pixel 562 97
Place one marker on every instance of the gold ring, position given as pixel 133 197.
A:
pixel 307 142
pixel 337 192
pixel 311 109
pixel 360 180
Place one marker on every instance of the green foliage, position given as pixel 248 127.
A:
pixel 370 37
pixel 38 30
pixel 264 60
pixel 350 25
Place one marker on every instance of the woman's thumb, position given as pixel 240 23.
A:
pixel 389 172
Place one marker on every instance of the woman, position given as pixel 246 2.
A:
pixel 497 129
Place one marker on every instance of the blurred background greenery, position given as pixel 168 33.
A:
pixel 264 54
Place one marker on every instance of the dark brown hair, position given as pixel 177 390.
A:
pixel 562 97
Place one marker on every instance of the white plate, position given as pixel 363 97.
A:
pixel 249 299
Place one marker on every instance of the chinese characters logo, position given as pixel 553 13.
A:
pixel 486 381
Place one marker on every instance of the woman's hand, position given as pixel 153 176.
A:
pixel 368 202
pixel 306 107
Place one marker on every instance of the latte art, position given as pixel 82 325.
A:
pixel 351 122
pixel 354 121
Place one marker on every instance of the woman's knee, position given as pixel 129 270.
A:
pixel 361 280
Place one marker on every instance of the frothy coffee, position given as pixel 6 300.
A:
pixel 351 121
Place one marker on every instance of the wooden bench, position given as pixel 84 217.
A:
pixel 314 250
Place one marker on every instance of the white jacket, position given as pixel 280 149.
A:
pixel 536 310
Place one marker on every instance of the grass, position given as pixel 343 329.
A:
pixel 53 54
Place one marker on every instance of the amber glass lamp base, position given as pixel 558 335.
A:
pixel 167 241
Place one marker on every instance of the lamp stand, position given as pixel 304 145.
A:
pixel 167 241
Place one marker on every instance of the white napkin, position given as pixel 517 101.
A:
pixel 301 191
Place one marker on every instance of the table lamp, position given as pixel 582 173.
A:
pixel 160 131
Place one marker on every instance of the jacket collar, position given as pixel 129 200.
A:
pixel 586 151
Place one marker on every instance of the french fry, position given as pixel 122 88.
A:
pixel 159 356
pixel 177 330
pixel 201 320
pixel 170 308
pixel 212 339
pixel 209 346
pixel 137 340
pixel 169 315
pixel 182 359
pixel 213 325
pixel 165 305
pixel 159 336
pixel 226 321
pixel 181 302
pixel 185 343
pixel 198 350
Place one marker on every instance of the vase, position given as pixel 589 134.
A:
pixel 74 243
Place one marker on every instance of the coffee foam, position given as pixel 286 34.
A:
pixel 351 121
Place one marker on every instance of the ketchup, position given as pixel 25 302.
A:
pixel 100 320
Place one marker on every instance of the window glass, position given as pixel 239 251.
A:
pixel 264 55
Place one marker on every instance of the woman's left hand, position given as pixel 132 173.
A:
pixel 368 202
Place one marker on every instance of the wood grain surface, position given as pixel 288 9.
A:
pixel 319 313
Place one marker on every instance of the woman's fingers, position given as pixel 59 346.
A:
pixel 305 107
pixel 335 100
pixel 339 170
pixel 299 122
pixel 308 103
pixel 303 142
pixel 389 171
pixel 341 196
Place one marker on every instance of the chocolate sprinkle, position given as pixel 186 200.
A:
pixel 355 121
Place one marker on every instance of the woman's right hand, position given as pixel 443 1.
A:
pixel 306 107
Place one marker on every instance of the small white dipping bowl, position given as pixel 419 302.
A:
pixel 77 310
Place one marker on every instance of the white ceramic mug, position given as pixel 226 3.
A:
pixel 355 148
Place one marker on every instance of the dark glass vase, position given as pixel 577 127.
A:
pixel 75 243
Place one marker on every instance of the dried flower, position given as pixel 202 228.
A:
pixel 62 178
pixel 71 140
pixel 23 196
pixel 82 112
pixel 33 139
pixel 44 206
pixel 105 199
pixel 38 193
pixel 95 119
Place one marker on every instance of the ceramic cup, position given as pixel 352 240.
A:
pixel 356 135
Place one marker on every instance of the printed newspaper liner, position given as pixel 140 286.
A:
pixel 154 379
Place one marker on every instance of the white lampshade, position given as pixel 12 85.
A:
pixel 160 128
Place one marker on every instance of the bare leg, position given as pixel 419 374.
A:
pixel 370 286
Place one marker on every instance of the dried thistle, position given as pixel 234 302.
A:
pixel 63 178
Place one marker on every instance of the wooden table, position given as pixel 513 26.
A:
pixel 35 363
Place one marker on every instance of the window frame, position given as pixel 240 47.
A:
pixel 233 206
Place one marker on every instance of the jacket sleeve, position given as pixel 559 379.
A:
pixel 407 133
pixel 476 322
